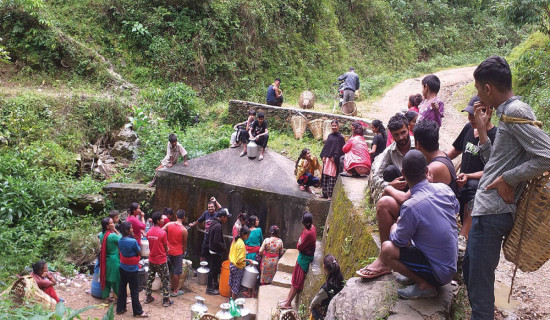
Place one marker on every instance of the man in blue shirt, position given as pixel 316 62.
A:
pixel 351 84
pixel 274 95
pixel 423 243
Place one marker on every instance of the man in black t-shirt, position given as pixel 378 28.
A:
pixel 471 167
pixel 258 132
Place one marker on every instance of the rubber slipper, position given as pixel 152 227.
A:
pixel 260 158
pixel 179 293
pixel 143 315
pixel 149 299
pixel 282 306
pixel 373 273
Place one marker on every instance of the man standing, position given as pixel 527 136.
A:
pixel 520 152
pixel 158 246
pixel 351 84
pixel 177 244
pixel 427 220
pixel 216 247
pixel 274 95
pixel 207 218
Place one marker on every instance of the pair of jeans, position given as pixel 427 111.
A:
pixel 481 260
pixel 130 278
pixel 215 269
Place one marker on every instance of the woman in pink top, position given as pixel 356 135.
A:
pixel 356 153
pixel 137 218
pixel 241 221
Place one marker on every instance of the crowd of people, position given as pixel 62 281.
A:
pixel 420 194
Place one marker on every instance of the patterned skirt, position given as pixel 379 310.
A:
pixel 328 183
pixel 235 278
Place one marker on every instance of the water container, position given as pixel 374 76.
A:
pixel 144 248
pixel 245 313
pixel 225 290
pixel 142 278
pixel 157 284
pixel 233 138
pixel 199 308
pixel 96 285
pixel 250 275
pixel 224 313
pixel 252 149
pixel 202 273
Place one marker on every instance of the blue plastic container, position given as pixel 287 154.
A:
pixel 96 285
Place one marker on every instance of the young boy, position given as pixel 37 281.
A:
pixel 432 107
pixel 258 131
pixel 243 128
pixel 173 152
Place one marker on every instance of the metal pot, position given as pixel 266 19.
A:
pixel 233 138
pixel 252 149
pixel 245 313
pixel 250 275
pixel 224 313
pixel 144 248
pixel 157 284
pixel 199 308
pixel 202 273
pixel 142 278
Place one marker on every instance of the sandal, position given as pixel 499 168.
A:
pixel 177 294
pixel 260 158
pixel 143 315
pixel 366 273
pixel 149 299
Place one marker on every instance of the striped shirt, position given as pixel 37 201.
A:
pixel 391 155
pixel 520 152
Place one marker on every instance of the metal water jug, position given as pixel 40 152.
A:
pixel 202 273
pixel 250 275
pixel 199 308
pixel 233 138
pixel 144 248
pixel 245 313
pixel 224 313
pixel 252 149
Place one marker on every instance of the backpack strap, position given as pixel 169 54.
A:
pixel 507 119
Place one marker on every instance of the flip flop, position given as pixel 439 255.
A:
pixel 143 315
pixel 372 273
pixel 283 307
pixel 179 293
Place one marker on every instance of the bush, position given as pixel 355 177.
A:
pixel 178 104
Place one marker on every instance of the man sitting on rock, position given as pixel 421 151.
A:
pixel 423 241
pixel 173 152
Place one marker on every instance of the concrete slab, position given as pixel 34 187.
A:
pixel 268 297
pixel 282 279
pixel 252 305
pixel 435 308
pixel 355 189
pixel 288 261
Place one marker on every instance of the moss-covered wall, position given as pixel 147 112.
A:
pixel 348 235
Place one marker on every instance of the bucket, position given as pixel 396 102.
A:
pixel 144 248
pixel 225 291
pixel 298 126
pixel 96 285
pixel 316 128
pixel 349 108
pixel 327 129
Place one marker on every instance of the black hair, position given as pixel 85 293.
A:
pixel 380 126
pixel 426 133
pixel 38 266
pixel 414 166
pixel 180 214
pixel 302 156
pixel 334 122
pixel 157 215
pixel 358 129
pixel 410 115
pixel 113 213
pixel 133 207
pixel 252 112
pixel 105 223
pixel 307 220
pixel 261 115
pixel 125 229
pixel 244 231
pixel 494 71
pixel 397 122
pixel 223 213
pixel 168 211
pixel 274 230
pixel 351 69
pixel 415 99
pixel 335 279
pixel 251 222
pixel 242 216
pixel 172 138
pixel 212 202
pixel 432 81
pixel 277 79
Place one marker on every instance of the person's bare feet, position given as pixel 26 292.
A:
pixel 373 270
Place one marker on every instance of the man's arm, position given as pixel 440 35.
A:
pixel 406 227
pixel 440 172
pixel 342 77
pixel 453 153
pixel 184 243
pixel 380 164
pixel 398 195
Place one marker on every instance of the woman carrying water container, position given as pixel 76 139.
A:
pixel 237 259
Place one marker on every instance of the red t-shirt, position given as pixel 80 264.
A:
pixel 176 234
pixel 166 220
pixel 157 241
pixel 138 226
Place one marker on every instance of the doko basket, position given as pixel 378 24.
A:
pixel 299 124
pixel 527 245
pixel 327 129
pixel 316 128
pixel 307 100
pixel 26 289
pixel 349 108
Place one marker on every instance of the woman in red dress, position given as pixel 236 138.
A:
pixel 44 279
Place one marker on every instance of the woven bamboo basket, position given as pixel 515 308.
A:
pixel 299 124
pixel 316 128
pixel 307 100
pixel 327 129
pixel 349 108
pixel 527 244
pixel 26 289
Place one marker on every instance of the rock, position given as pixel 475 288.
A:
pixel 122 194
pixel 363 299
pixel 123 149
pixel 126 134
pixel 94 201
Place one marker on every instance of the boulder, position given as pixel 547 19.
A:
pixel 123 149
pixel 123 194
pixel 126 134
pixel 86 201
pixel 363 299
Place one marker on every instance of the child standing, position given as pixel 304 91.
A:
pixel 432 107
pixel 237 259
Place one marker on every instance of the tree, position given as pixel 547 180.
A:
pixel 528 12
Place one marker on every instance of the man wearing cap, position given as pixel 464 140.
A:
pixel 351 84
pixel 216 247
pixel 471 167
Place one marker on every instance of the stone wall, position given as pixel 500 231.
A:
pixel 123 194
pixel 279 117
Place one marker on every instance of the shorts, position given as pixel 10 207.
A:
pixel 175 264
pixel 415 261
